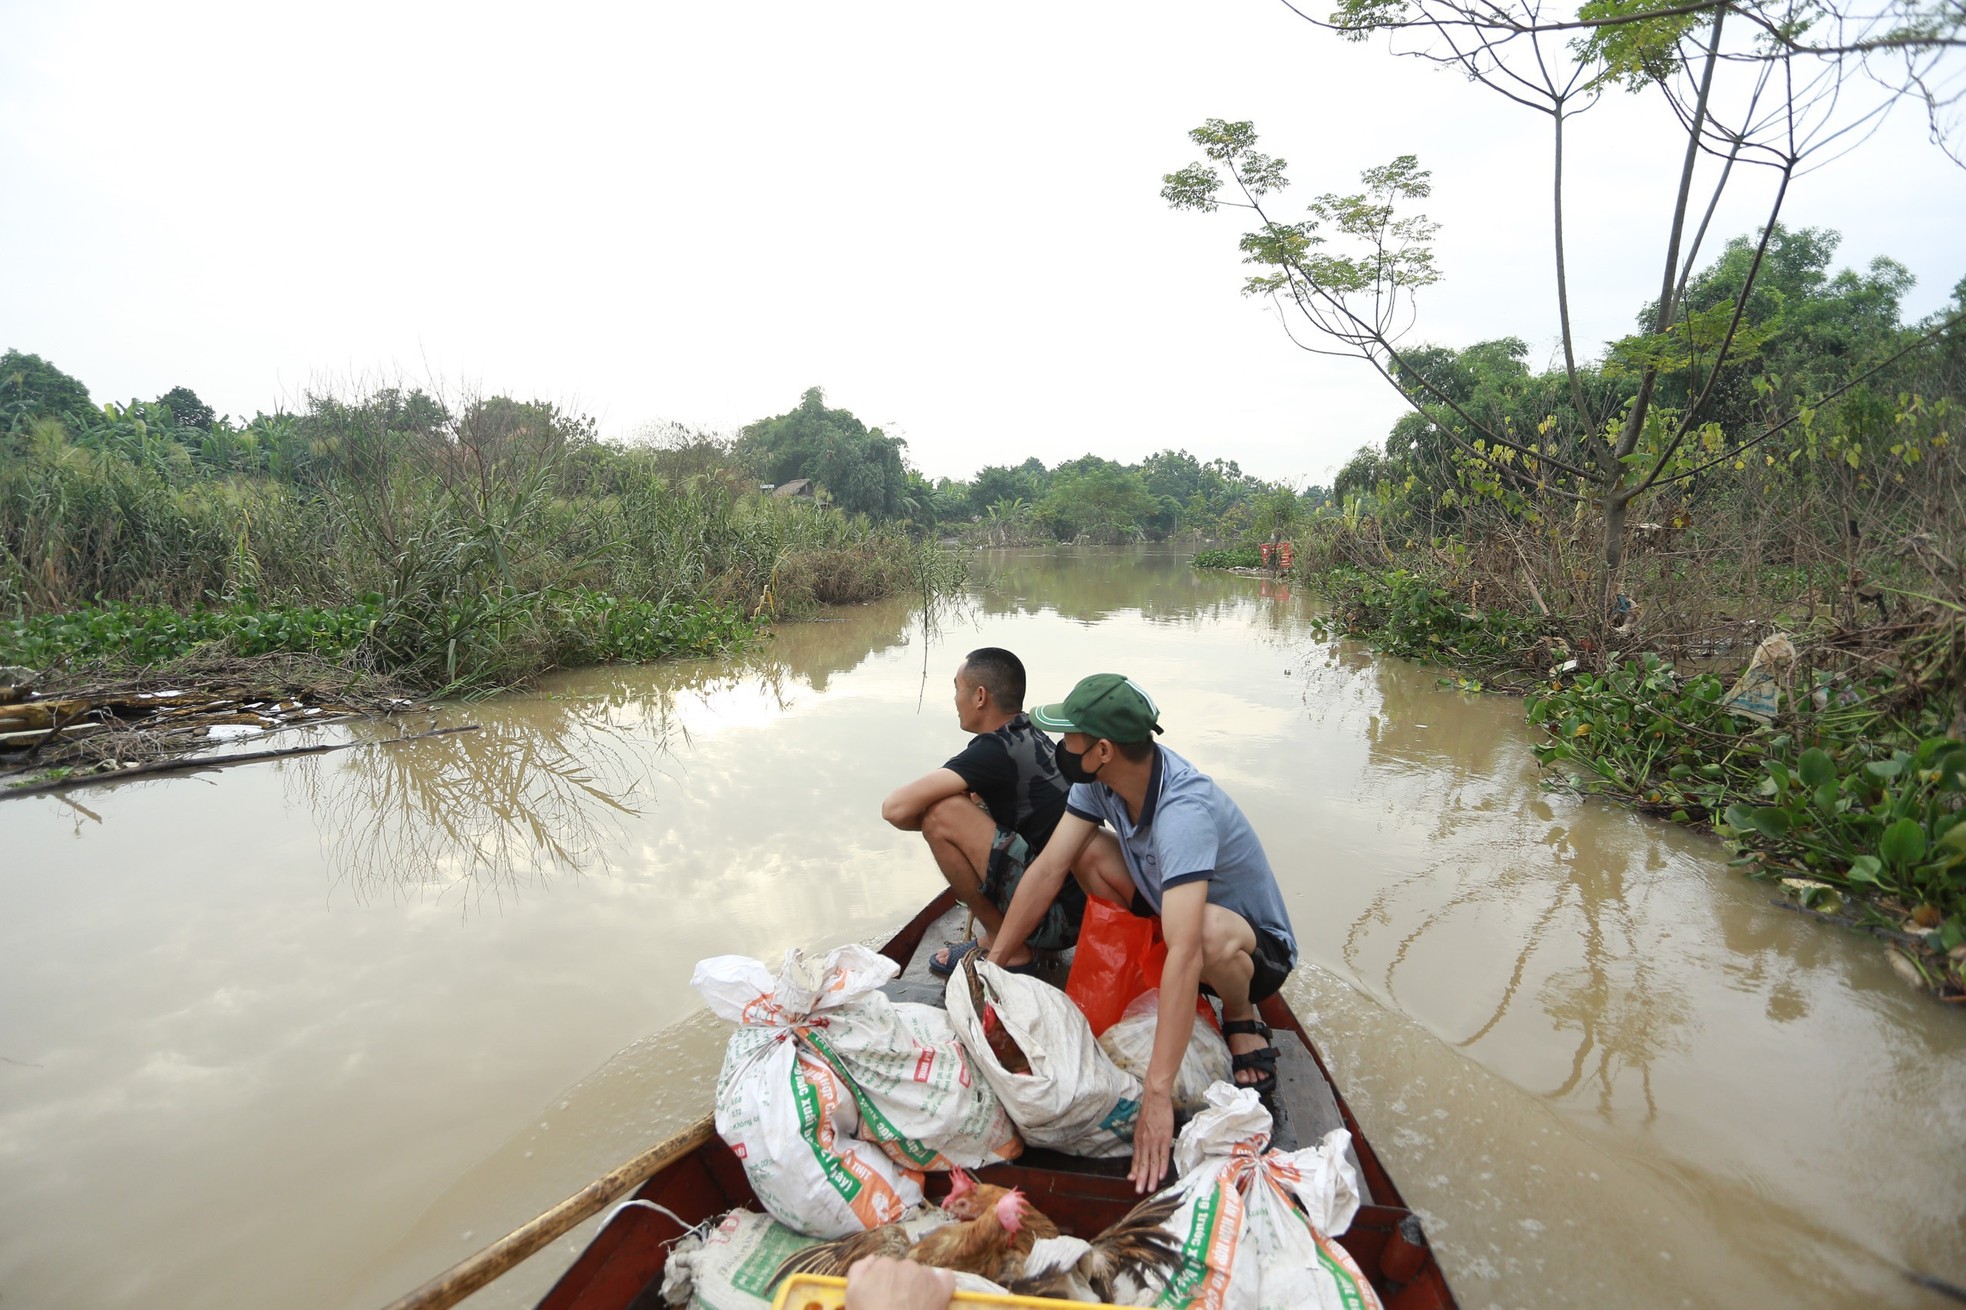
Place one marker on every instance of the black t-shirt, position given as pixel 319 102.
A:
pixel 1015 773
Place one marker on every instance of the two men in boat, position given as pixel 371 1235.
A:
pixel 1145 829
pixel 989 811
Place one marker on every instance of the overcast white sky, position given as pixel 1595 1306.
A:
pixel 947 216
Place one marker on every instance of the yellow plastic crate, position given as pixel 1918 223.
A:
pixel 815 1292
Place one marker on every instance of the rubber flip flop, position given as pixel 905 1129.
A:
pixel 952 958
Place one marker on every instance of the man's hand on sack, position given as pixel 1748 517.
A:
pixel 1153 1139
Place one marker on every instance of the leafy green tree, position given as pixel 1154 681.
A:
pixel 1000 482
pixel 499 429
pixel 1174 474
pixel 861 467
pixel 1362 473
pixel 31 388
pixel 953 501
pixel 1098 501
pixel 1276 514
pixel 1800 326
pixel 186 409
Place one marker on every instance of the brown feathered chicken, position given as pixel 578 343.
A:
pixel 1137 1254
pixel 994 1230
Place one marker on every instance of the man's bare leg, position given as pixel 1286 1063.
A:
pixel 959 833
pixel 1228 963
pixel 1101 870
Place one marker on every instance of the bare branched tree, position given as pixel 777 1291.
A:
pixel 1774 89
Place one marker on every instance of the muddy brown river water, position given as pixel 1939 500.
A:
pixel 305 1034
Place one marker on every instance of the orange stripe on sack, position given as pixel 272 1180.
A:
pixel 1221 1256
pixel 876 1203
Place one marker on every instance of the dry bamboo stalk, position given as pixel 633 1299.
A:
pixel 202 762
pixel 1529 576
pixel 472 1273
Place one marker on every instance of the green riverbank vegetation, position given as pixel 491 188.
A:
pixel 1765 472
pixel 454 547
pixel 1837 541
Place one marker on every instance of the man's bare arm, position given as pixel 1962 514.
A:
pixel 907 804
pixel 1181 915
pixel 1182 912
pixel 1043 878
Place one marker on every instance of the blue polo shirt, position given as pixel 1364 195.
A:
pixel 1190 830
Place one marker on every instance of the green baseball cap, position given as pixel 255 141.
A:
pixel 1108 705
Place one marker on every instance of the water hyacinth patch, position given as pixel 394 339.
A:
pixel 1894 826
pixel 1237 557
pixel 1852 819
pixel 1418 618
pixel 153 634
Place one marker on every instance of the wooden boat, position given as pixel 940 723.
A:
pixel 695 1177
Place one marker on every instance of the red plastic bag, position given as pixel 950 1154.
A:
pixel 1118 956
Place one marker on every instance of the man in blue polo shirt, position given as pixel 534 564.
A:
pixel 1146 829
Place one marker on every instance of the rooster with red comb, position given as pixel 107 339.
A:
pixel 994 1230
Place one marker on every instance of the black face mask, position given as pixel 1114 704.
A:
pixel 1071 765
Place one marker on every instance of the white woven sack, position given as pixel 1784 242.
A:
pixel 1075 1099
pixel 729 1267
pixel 784 1112
pixel 1243 1245
pixel 914 1086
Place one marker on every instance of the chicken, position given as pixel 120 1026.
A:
pixel 992 1245
pixel 1136 1255
pixel 1002 1044
pixel 1009 1054
pixel 834 1258
pixel 969 1198
pixel 994 1230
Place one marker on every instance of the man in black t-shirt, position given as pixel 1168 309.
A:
pixel 987 812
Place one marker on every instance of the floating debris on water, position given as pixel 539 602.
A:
pixel 84 726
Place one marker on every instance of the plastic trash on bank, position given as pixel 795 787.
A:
pixel 1758 693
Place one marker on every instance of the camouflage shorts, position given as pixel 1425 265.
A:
pixel 1059 928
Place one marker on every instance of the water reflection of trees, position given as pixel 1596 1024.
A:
pixel 1090 584
pixel 480 814
pixel 553 781
pixel 1592 899
pixel 1589 939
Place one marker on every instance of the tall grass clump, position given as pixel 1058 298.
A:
pixel 461 548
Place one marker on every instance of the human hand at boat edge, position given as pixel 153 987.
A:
pixel 1153 1139
pixel 882 1282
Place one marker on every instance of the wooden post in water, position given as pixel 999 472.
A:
pixel 472 1273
